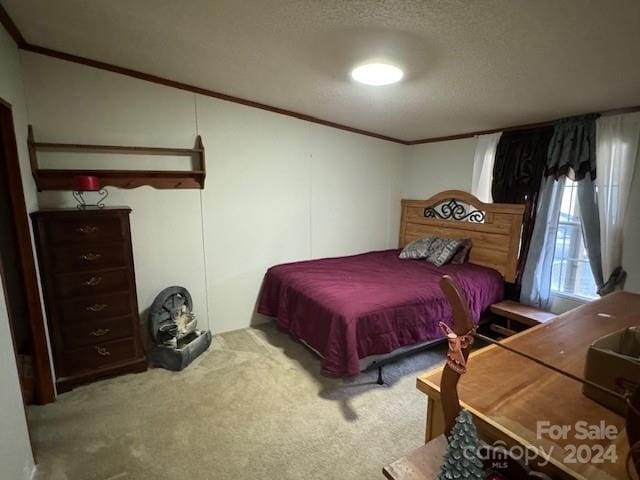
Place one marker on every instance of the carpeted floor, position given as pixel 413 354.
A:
pixel 253 407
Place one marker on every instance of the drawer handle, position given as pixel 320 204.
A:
pixel 100 332
pixel 90 257
pixel 97 307
pixel 87 229
pixel 93 282
pixel 102 351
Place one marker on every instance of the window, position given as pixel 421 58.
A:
pixel 571 273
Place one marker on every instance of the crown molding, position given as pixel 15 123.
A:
pixel 202 91
pixel 528 126
pixel 8 23
pixel 480 132
pixel 21 42
pixel 11 28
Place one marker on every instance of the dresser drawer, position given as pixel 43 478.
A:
pixel 88 282
pixel 91 283
pixel 89 257
pixel 96 307
pixel 92 332
pixel 102 228
pixel 98 356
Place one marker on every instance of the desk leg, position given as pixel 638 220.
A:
pixel 435 419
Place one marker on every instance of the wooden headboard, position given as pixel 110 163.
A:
pixel 494 228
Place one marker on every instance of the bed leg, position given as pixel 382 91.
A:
pixel 380 381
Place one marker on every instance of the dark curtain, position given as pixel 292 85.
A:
pixel 521 158
pixel 572 149
pixel 588 203
pixel 572 153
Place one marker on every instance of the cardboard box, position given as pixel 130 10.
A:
pixel 613 362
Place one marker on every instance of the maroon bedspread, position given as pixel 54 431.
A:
pixel 348 308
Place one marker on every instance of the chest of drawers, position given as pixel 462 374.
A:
pixel 88 279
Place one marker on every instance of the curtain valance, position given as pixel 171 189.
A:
pixel 572 149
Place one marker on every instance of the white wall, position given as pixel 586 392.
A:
pixel 433 167
pixel 278 189
pixel 76 104
pixel 16 459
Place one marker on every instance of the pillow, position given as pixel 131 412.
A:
pixel 418 249
pixel 443 250
pixel 436 250
pixel 462 255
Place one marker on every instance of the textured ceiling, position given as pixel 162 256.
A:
pixel 470 65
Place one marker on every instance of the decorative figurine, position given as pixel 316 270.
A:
pixel 461 459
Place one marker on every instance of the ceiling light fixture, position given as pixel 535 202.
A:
pixel 377 74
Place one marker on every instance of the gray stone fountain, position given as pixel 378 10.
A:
pixel 173 328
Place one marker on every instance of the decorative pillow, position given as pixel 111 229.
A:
pixel 462 255
pixel 443 250
pixel 436 250
pixel 418 249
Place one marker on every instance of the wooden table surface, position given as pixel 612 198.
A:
pixel 509 395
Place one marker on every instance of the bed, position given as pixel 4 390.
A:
pixel 355 308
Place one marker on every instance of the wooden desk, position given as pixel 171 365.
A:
pixel 509 394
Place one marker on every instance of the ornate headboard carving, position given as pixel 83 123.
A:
pixel 494 228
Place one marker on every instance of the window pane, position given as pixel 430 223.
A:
pixel 565 208
pixel 585 285
pixel 571 273
pixel 555 275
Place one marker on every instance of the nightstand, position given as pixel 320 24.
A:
pixel 524 316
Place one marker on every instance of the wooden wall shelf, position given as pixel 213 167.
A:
pixel 62 179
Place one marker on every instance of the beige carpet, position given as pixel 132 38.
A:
pixel 253 407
